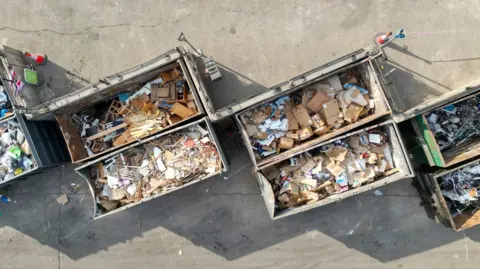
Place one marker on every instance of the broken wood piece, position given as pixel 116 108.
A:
pixel 124 138
pixel 181 110
pixel 106 132
pixel 146 107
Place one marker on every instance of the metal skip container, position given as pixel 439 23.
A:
pixel 28 147
pixel 156 166
pixel 451 194
pixel 311 108
pixel 334 170
pixel 449 134
pixel 126 107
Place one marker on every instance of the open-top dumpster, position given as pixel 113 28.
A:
pixel 120 109
pixel 158 165
pixel 334 170
pixel 452 194
pixel 28 147
pixel 450 133
pixel 348 86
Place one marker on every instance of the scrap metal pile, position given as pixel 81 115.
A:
pixel 15 157
pixel 460 188
pixel 315 111
pixel 161 165
pixel 158 104
pixel 334 168
pixel 456 124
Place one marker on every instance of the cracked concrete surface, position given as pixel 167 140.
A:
pixel 227 226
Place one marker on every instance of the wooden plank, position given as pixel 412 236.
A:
pixel 106 132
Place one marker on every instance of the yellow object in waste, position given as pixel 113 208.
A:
pixel 18 171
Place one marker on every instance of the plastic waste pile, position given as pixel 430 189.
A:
pixel 15 155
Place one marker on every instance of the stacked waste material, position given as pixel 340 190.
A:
pixel 457 124
pixel 5 105
pixel 158 104
pixel 328 170
pixel 460 188
pixel 16 156
pixel 304 115
pixel 159 166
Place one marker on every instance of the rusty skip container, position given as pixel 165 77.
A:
pixel 399 157
pixel 429 185
pixel 93 175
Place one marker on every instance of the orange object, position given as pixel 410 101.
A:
pixel 39 59
pixel 383 38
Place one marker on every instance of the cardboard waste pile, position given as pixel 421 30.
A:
pixel 161 165
pixel 456 124
pixel 312 112
pixel 157 105
pixel 5 105
pixel 460 189
pixel 15 157
pixel 334 168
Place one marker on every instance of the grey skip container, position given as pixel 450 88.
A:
pixel 84 170
pixel 400 159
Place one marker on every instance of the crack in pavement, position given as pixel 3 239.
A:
pixel 3 28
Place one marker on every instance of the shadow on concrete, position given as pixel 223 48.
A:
pixel 405 88
pixel 225 215
pixel 405 50
pixel 232 88
pixel 55 81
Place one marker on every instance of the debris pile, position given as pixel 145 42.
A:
pixel 5 105
pixel 460 188
pixel 304 115
pixel 161 165
pixel 15 157
pixel 334 168
pixel 158 104
pixel 456 124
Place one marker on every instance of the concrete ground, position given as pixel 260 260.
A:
pixel 222 222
